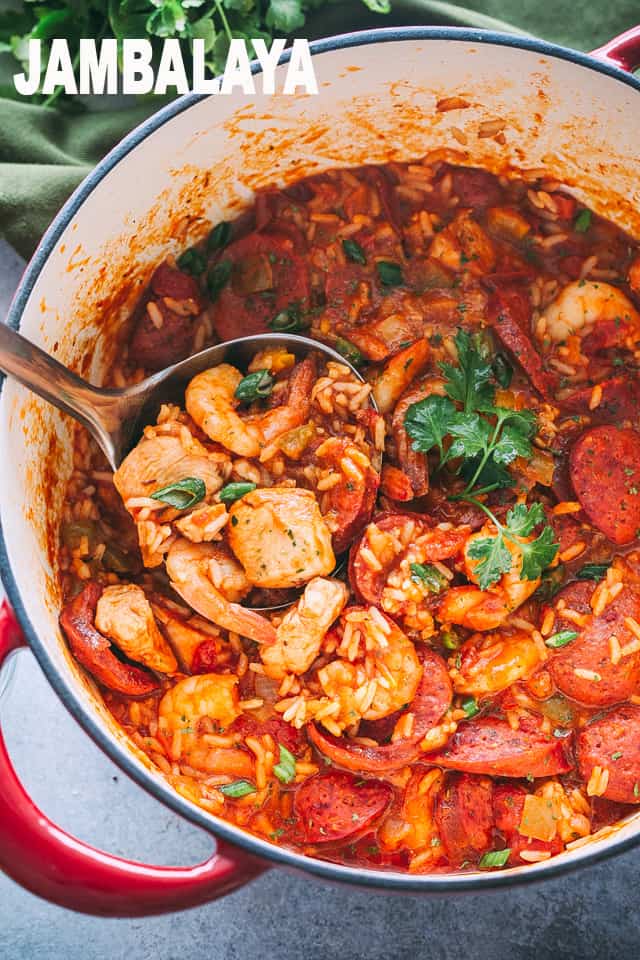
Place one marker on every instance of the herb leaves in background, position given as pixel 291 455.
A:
pixel 214 21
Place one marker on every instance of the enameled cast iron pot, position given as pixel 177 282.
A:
pixel 199 160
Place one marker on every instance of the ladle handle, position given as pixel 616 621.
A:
pixel 44 375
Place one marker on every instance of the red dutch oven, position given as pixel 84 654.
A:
pixel 575 115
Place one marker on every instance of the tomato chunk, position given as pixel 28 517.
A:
pixel 335 805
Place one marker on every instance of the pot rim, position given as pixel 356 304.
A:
pixel 118 753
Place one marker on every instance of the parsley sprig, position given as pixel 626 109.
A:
pixel 485 437
pixel 466 425
pixel 494 555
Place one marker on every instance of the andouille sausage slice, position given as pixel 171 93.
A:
pixel 583 669
pixel 267 277
pixel 489 745
pixel 167 336
pixel 508 312
pixel 349 504
pixel 605 473
pixel 508 806
pixel 612 743
pixel 335 805
pixel 464 816
pixel 93 650
pixel 620 400
pixel 432 700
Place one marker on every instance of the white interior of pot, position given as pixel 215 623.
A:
pixel 377 103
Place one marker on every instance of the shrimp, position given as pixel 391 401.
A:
pixel 584 304
pixel 377 670
pixel 124 614
pixel 398 373
pixel 280 538
pixel 303 628
pixel 464 245
pixel 414 825
pixel 476 609
pixel 209 400
pixel 211 581
pixel 490 662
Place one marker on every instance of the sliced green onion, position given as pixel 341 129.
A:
pixel 182 494
pixel 290 320
pixel 218 277
pixel 496 858
pixel 192 261
pixel 254 386
pixel 429 575
pixel 561 639
pixel 502 370
pixel 450 639
pixel 583 221
pixel 234 491
pixel 354 252
pixel 349 351
pixel 285 769
pixel 593 571
pixel 219 237
pixel 470 707
pixel 616 755
pixel 237 789
pixel 389 274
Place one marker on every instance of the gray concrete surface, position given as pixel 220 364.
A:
pixel 593 914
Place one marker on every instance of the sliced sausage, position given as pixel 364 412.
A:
pixel 267 277
pixel 429 705
pixel 489 745
pixel 509 312
pixel 333 806
pixel 94 652
pixel 348 504
pixel 476 188
pixel 464 816
pixel 620 401
pixel 613 744
pixel 603 683
pixel 508 806
pixel 282 732
pixel 605 472
pixel 155 345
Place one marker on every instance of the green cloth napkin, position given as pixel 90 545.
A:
pixel 44 154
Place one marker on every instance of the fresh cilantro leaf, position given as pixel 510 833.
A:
pixel 538 554
pixel 487 475
pixel 472 435
pixel 428 422
pixel 494 558
pixel 522 519
pixel 511 444
pixel 285 15
pixel 470 382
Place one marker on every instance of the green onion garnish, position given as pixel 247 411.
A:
pixel 560 639
pixel 354 252
pixel 496 858
pixel 237 789
pixel 234 491
pixel 389 274
pixel 254 386
pixel 285 769
pixel 182 494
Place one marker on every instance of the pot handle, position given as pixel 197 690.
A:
pixel 622 52
pixel 54 865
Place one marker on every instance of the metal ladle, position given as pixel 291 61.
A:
pixel 115 418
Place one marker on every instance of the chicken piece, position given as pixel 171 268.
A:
pixel 303 628
pixel 158 461
pixel 280 538
pixel 125 616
